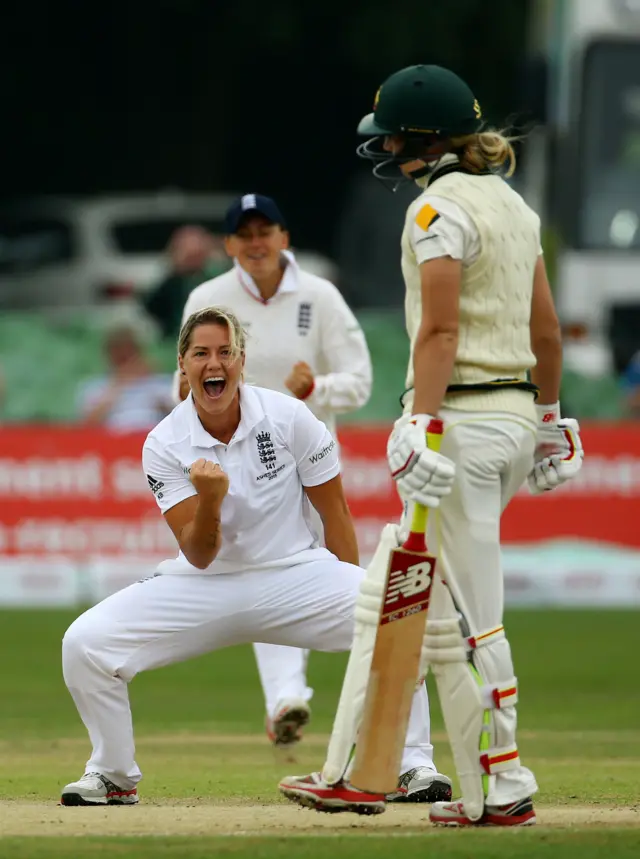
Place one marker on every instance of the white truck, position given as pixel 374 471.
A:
pixel 593 158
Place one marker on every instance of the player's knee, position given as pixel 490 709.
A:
pixel 81 641
pixel 495 659
pixel 73 641
pixel 361 613
pixel 352 577
pixel 347 598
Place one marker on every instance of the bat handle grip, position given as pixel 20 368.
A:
pixel 416 540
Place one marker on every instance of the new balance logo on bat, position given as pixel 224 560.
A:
pixel 326 450
pixel 409 583
pixel 155 486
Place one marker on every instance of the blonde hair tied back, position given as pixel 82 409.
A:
pixel 486 150
pixel 214 316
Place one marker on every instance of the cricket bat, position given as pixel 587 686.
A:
pixel 396 655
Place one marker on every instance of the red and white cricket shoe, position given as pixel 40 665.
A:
pixel 520 813
pixel 311 791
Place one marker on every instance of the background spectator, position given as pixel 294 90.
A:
pixel 195 255
pixel 131 396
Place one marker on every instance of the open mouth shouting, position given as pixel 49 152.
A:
pixel 214 387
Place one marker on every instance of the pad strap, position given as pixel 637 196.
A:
pixel 499 760
pixel 499 696
pixel 488 636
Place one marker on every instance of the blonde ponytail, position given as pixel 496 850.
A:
pixel 487 150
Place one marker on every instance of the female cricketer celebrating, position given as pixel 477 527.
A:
pixel 233 469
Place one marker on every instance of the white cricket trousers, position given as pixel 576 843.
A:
pixel 283 670
pixel 493 454
pixel 171 618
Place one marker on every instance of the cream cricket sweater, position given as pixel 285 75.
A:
pixel 495 292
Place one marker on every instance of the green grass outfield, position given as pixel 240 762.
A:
pixel 210 776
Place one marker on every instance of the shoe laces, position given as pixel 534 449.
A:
pixel 93 780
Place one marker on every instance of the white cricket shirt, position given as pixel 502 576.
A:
pixel 279 448
pixel 306 320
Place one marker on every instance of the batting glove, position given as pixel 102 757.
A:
pixel 421 474
pixel 559 454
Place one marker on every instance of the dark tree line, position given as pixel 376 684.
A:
pixel 247 95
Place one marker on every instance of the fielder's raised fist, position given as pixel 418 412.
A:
pixel 209 480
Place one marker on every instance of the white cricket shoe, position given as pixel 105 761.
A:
pixel 422 784
pixel 284 729
pixel 96 789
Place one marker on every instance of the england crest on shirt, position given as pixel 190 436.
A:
pixel 304 317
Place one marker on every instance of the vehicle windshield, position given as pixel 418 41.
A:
pixel 152 235
pixel 610 147
pixel 28 243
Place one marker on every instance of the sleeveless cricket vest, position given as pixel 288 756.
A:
pixel 495 294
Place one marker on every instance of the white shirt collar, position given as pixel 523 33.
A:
pixel 289 282
pixel 444 161
pixel 251 413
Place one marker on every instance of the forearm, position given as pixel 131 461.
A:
pixel 434 357
pixel 341 392
pixel 547 374
pixel 340 536
pixel 200 540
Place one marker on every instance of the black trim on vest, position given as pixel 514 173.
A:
pixel 446 169
pixel 493 385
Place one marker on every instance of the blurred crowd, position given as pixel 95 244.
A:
pixel 194 255
pixel 133 393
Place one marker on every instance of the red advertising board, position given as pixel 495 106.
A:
pixel 78 492
pixel 602 503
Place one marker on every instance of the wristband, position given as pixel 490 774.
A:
pixel 421 421
pixel 308 392
pixel 548 414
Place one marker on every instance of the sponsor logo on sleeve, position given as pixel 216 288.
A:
pixel 155 486
pixel 320 454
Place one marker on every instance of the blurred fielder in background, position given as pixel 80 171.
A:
pixel 305 342
pixel 481 320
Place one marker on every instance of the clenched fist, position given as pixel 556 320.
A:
pixel 209 480
pixel 300 380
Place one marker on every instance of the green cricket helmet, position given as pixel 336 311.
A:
pixel 424 104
